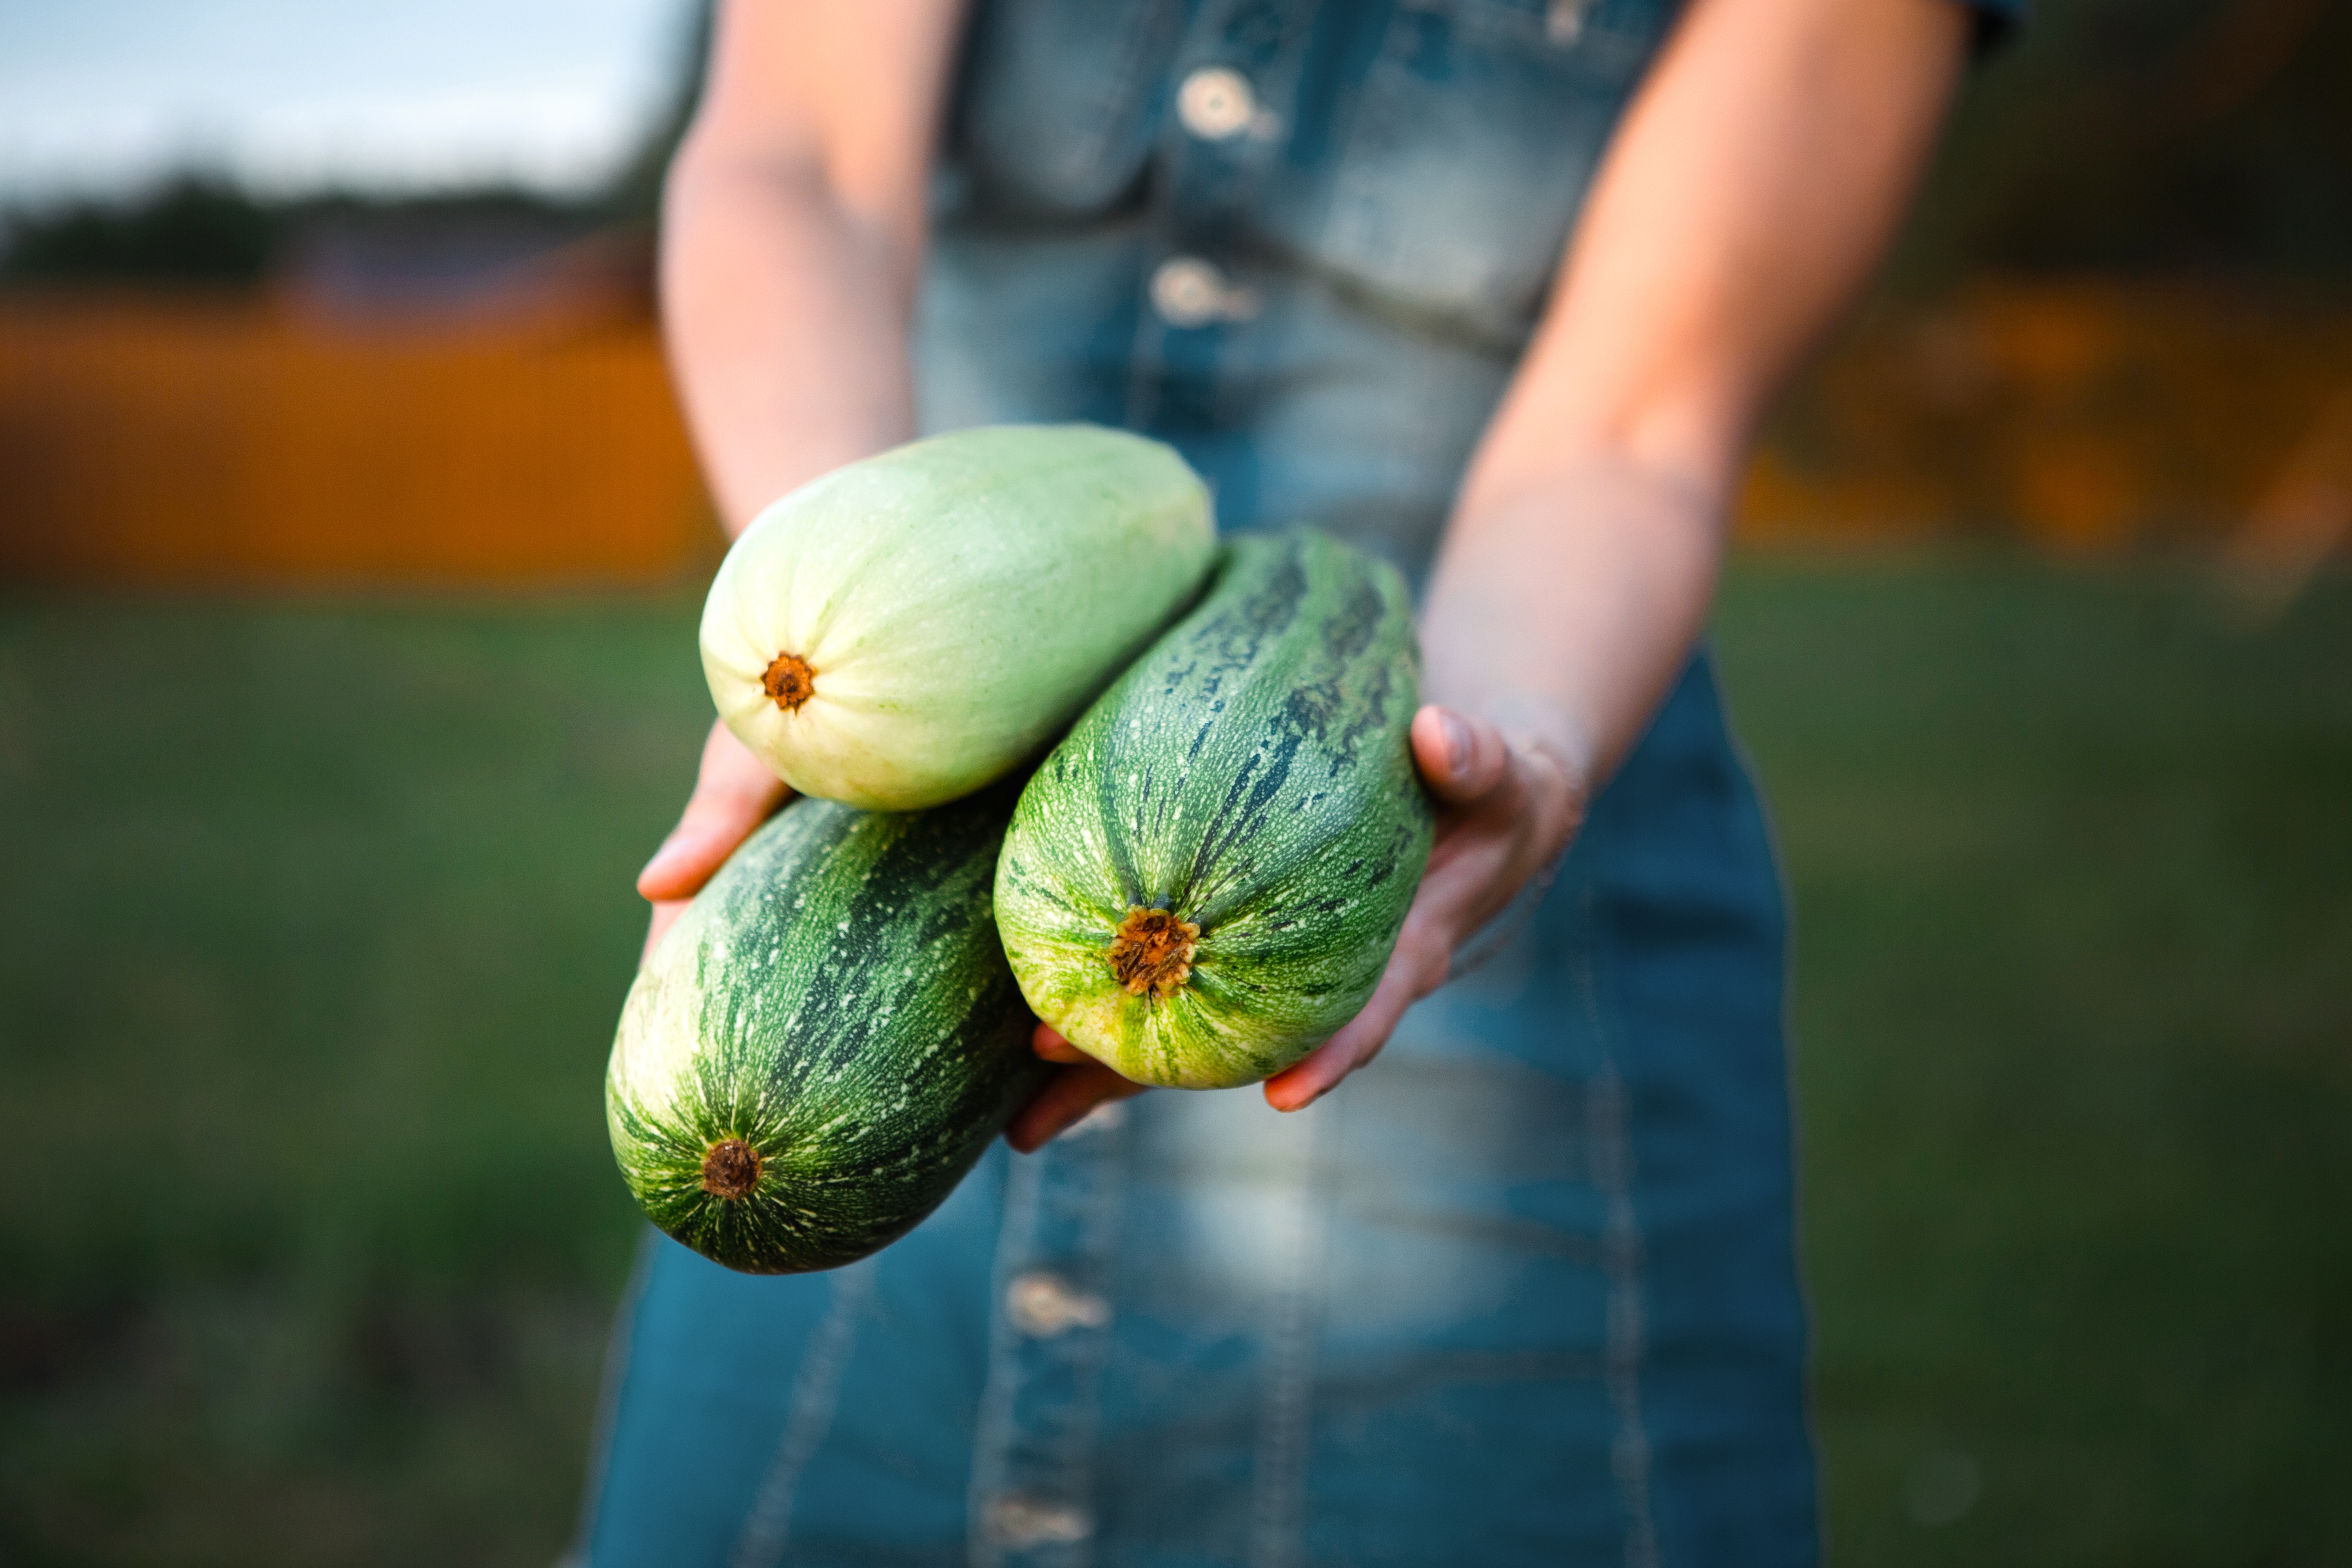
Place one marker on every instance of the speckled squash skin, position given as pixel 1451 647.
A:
pixel 826 1040
pixel 1206 878
pixel 907 628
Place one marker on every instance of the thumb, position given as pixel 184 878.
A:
pixel 665 916
pixel 1461 757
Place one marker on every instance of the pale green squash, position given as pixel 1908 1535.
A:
pixel 907 628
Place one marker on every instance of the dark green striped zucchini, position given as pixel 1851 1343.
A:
pixel 827 1041
pixel 1206 878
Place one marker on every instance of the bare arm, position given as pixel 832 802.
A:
pixel 1754 182
pixel 792 235
pixel 1752 188
pixel 1753 185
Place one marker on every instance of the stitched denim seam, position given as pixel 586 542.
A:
pixel 1098 1244
pixel 1068 1185
pixel 1351 208
pixel 1108 116
pixel 1624 1332
pixel 1285 1414
pixel 1744 763
pixel 816 1396
pixel 1015 1238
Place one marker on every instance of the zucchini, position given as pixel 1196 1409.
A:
pixel 827 1040
pixel 1205 879
pixel 907 628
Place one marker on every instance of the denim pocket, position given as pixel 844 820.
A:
pixel 1061 99
pixel 1471 145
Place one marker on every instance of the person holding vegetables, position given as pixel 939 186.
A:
pixel 1496 288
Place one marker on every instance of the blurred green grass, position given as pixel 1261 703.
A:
pixel 2073 864
pixel 307 1227
pixel 321 919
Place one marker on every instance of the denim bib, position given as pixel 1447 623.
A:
pixel 1523 1291
pixel 1304 242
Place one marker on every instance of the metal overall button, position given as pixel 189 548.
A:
pixel 1216 103
pixel 1042 1305
pixel 1189 291
pixel 1019 1522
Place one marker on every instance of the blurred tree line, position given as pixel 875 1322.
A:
pixel 201 228
pixel 2134 136
pixel 2150 136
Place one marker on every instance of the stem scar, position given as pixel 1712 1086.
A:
pixel 730 1168
pixel 790 681
pixel 1151 951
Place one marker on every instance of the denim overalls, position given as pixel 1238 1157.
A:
pixel 1524 1290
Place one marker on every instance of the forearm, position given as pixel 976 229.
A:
pixel 786 322
pixel 1562 608
pixel 1754 182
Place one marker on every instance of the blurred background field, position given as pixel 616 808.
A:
pixel 322 920
pixel 350 553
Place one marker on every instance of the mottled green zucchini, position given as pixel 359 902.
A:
pixel 1206 878
pixel 827 1041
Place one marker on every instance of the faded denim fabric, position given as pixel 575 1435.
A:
pixel 1373 245
pixel 1524 1290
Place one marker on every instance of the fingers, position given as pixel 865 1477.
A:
pixel 1048 1043
pixel 733 793
pixel 1416 969
pixel 1472 873
pixel 1462 758
pixel 665 916
pixel 1083 1084
pixel 1510 813
pixel 1071 1093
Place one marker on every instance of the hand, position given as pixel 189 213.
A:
pixel 1083 1084
pixel 1511 806
pixel 733 793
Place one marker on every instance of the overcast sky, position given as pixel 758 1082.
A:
pixel 102 96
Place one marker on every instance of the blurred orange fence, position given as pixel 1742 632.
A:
pixel 161 440
pixel 2086 416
